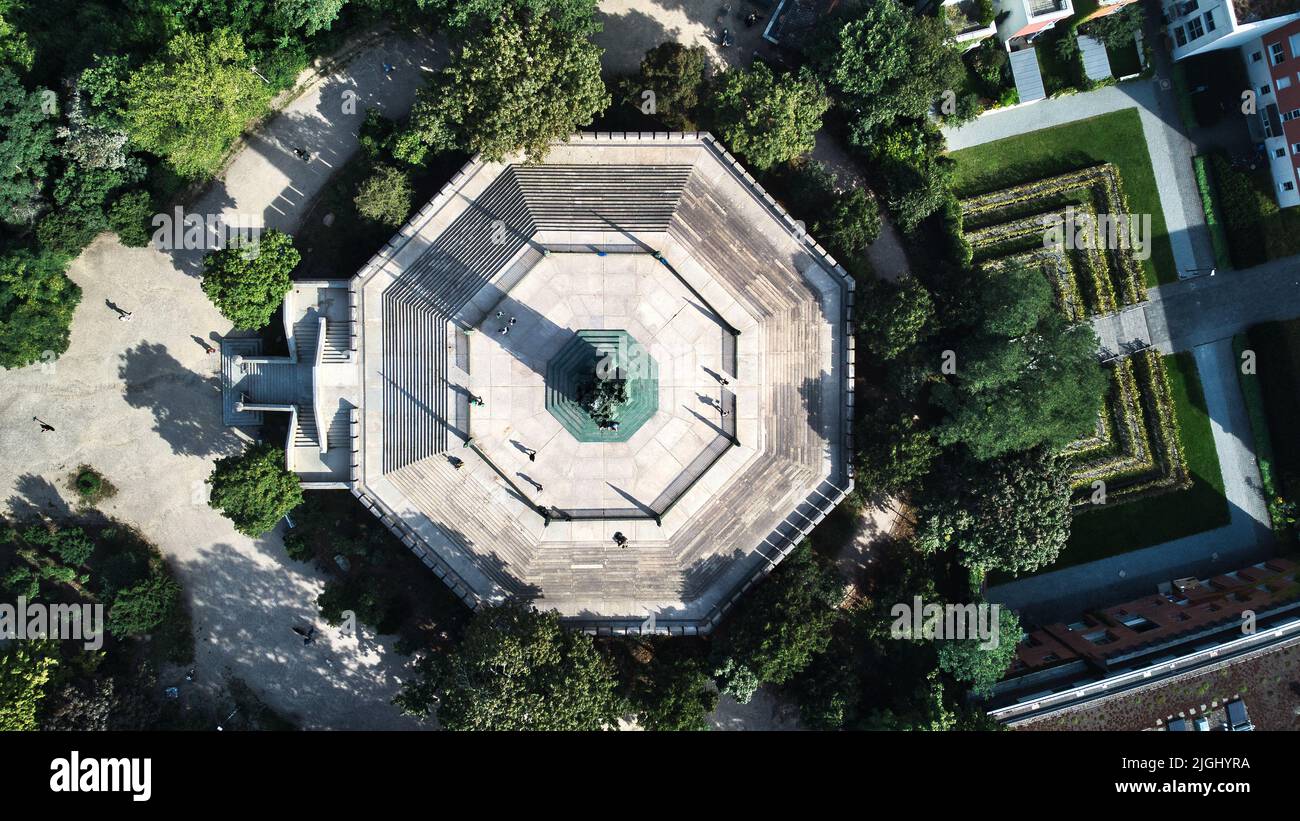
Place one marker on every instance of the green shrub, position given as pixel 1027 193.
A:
pixel 1218 238
pixel 385 197
pixel 143 608
pixel 130 218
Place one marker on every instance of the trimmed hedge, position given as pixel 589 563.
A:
pixel 1218 237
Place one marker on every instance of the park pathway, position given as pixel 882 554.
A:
pixel 140 401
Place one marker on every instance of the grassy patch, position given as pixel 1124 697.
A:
pixel 1145 522
pixel 1115 138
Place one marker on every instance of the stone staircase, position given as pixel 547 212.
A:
pixel 338 342
pixel 415 383
pixel 591 197
pixel 467 513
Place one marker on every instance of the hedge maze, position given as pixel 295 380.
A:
pixel 1134 449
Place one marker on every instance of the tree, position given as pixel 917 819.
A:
pixel 26 143
pixel 1118 28
pixel 14 46
pixel 90 141
pixel 969 660
pixel 887 64
pixel 307 16
pixel 852 224
pixel 736 680
pixel 1023 377
pixel 1010 514
pixel 765 118
pixel 894 450
pixel 129 218
pixel 516 669
pixel 254 489
pixel 892 317
pixel 676 75
pixel 143 608
pixel 517 81
pixel 248 281
pixel 25 670
pixel 190 105
pixel 385 196
pixel 675 692
pixel 37 301
pixel 784 621
pixel 917 173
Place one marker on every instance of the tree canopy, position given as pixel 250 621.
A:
pixel 519 80
pixel 254 489
pixel 677 75
pixel 1023 377
pixel 190 104
pixel 26 146
pixel 1010 514
pixel 784 621
pixel 765 118
pixel 516 669
pixel 248 281
pixel 37 301
pixel 888 63
pixel 979 666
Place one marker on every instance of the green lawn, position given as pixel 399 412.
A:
pixel 1115 138
pixel 1158 519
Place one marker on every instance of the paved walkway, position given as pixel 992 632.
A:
pixel 140 401
pixel 1170 151
pixel 1185 314
pixel 1245 539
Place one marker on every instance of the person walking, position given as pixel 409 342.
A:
pixel 125 316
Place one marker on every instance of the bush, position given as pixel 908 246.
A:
pixel 130 217
pixel 37 301
pixel 65 234
pixel 254 489
pixel 142 609
pixel 385 196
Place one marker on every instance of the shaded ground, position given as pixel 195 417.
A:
pixel 139 401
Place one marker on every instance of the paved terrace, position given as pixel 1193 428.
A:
pixel 526 241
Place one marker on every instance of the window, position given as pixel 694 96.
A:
pixel 1275 53
pixel 1179 36
pixel 1195 29
pixel 1279 153
pixel 1295 45
pixel 1286 186
pixel 1265 90
pixel 1283 82
pixel 1291 115
pixel 1257 56
pixel 1209 20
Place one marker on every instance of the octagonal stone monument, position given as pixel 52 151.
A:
pixel 470 334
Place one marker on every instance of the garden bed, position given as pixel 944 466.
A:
pixel 1115 138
